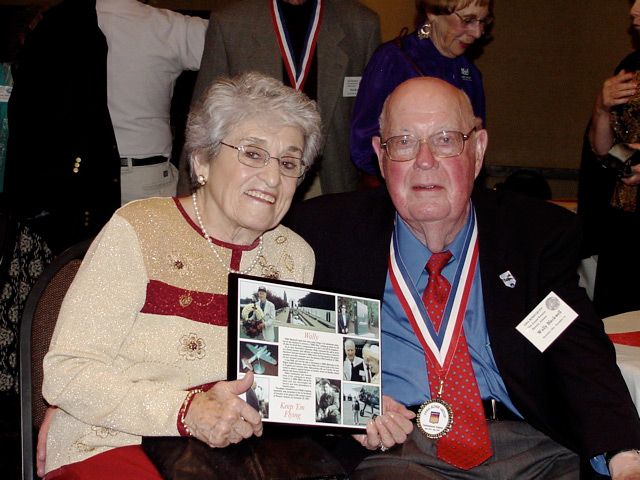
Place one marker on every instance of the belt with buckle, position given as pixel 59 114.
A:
pixel 493 411
pixel 142 162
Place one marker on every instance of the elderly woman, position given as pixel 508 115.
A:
pixel 436 49
pixel 373 356
pixel 142 332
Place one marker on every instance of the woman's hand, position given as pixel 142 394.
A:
pixel 219 417
pixel 616 90
pixel 390 428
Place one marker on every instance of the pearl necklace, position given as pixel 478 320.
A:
pixel 206 235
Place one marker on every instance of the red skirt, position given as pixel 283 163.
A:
pixel 119 463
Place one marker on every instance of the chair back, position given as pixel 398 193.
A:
pixel 38 322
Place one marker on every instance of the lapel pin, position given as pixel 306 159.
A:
pixel 508 279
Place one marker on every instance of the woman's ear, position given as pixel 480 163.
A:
pixel 200 165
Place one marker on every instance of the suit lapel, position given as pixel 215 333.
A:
pixel 332 61
pixel 503 306
pixel 264 53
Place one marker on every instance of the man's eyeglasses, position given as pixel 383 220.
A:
pixel 403 148
pixel 257 157
pixel 471 22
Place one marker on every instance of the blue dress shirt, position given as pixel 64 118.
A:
pixel 404 369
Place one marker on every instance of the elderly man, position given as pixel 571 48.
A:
pixel 269 311
pixel 352 364
pixel 453 352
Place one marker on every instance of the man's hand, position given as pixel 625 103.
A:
pixel 41 448
pixel 390 428
pixel 625 466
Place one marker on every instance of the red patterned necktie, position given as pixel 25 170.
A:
pixel 467 444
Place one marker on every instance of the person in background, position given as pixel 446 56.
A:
pixel 148 48
pixel 436 49
pixel 95 76
pixel 318 46
pixel 608 198
pixel 457 273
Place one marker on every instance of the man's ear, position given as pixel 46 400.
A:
pixel 375 141
pixel 482 140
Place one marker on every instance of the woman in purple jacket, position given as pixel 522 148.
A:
pixel 436 49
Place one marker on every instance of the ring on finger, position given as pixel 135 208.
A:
pixel 382 447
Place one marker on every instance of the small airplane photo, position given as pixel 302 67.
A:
pixel 260 352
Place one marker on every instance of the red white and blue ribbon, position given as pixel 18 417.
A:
pixel 298 73
pixel 438 346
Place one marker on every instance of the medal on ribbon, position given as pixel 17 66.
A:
pixel 435 416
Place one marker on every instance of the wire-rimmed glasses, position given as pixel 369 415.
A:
pixel 445 144
pixel 471 22
pixel 257 157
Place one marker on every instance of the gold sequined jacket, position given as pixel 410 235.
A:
pixel 145 320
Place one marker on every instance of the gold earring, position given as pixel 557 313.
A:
pixel 425 30
pixel 201 180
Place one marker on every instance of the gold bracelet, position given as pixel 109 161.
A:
pixel 185 407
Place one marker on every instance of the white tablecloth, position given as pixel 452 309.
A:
pixel 627 357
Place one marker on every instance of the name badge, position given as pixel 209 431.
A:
pixel 5 93
pixel 547 321
pixel 350 86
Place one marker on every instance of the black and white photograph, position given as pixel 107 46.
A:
pixel 328 400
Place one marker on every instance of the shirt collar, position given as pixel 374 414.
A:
pixel 412 248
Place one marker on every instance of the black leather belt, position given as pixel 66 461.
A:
pixel 142 162
pixel 493 411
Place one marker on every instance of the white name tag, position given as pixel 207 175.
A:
pixel 5 93
pixel 350 86
pixel 547 321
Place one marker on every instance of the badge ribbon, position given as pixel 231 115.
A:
pixel 435 416
pixel 438 346
pixel 297 72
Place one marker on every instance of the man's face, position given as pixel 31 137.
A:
pixel 428 188
pixel 262 296
pixel 350 350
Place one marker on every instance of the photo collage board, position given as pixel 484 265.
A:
pixel 315 354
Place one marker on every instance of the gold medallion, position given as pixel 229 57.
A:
pixel 435 418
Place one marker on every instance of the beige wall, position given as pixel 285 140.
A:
pixel 542 71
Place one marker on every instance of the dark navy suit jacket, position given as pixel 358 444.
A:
pixel 573 392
